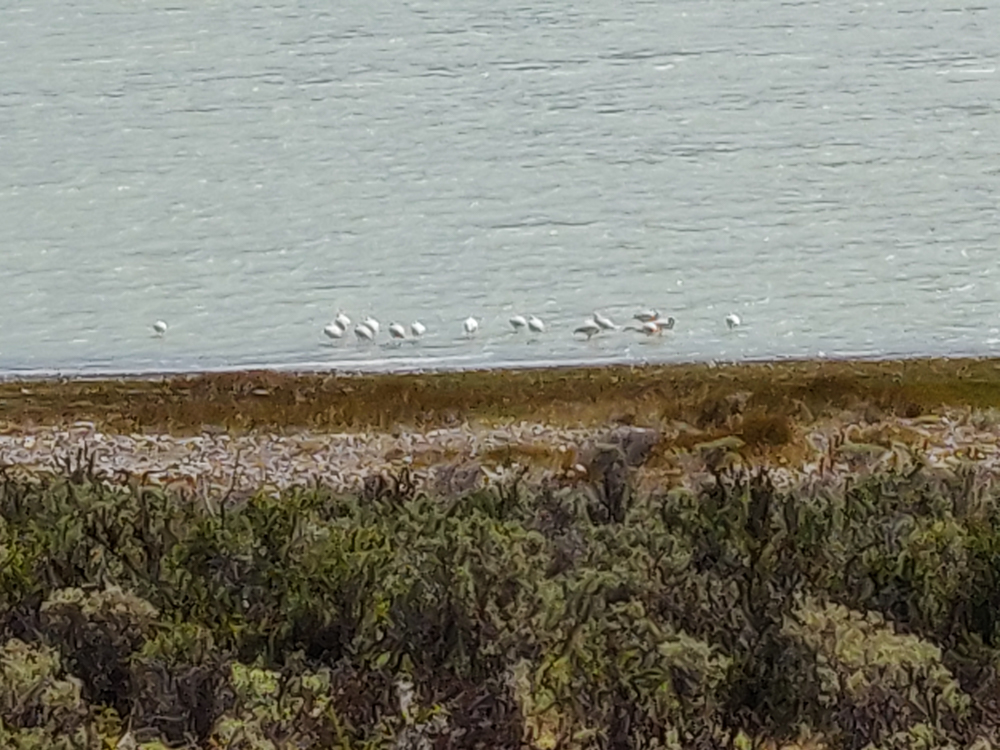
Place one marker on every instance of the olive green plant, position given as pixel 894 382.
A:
pixel 568 615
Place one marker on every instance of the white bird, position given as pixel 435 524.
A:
pixel 334 330
pixel 417 328
pixel 397 331
pixel 588 329
pixel 363 332
pixel 733 320
pixel 604 322
pixel 471 325
pixel 518 322
pixel 160 327
pixel 535 324
pixel 342 320
pixel 651 327
pixel 647 315
pixel 371 324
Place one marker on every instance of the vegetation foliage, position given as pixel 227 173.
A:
pixel 860 614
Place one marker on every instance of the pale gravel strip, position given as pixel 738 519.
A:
pixel 209 462
pixel 213 463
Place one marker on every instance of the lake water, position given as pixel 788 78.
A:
pixel 827 170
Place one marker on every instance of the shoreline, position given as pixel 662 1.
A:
pixel 253 400
pixel 209 435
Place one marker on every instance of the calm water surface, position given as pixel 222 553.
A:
pixel 828 170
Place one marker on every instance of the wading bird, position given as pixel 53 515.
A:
pixel 417 328
pixel 646 315
pixel 334 330
pixel 588 329
pixel 371 324
pixel 604 322
pixel 342 320
pixel 733 320
pixel 397 331
pixel 160 327
pixel 363 332
pixel 471 325
pixel 518 322
pixel 651 327
pixel 535 324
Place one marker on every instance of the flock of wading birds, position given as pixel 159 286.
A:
pixel 650 323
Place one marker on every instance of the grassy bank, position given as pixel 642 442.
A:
pixel 657 598
pixel 695 393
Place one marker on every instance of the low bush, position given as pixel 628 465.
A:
pixel 863 613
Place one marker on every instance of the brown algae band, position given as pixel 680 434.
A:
pixel 698 393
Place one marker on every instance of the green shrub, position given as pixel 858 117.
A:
pixel 40 705
pixel 883 683
pixel 553 617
